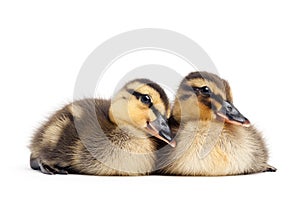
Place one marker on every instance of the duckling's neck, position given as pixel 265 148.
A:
pixel 132 139
pixel 117 111
pixel 126 128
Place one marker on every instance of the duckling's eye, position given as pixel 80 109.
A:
pixel 145 99
pixel 205 91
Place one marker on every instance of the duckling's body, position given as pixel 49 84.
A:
pixel 206 144
pixel 237 150
pixel 101 137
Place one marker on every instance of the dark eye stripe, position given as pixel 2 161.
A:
pixel 214 96
pixel 138 96
pixel 134 93
pixel 208 104
pixel 184 97
pixel 187 88
pixel 218 98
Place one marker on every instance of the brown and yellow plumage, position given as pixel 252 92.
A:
pixel 105 137
pixel 213 137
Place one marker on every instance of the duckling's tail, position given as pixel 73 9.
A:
pixel 34 164
pixel 269 168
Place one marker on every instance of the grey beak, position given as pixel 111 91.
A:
pixel 160 129
pixel 160 124
pixel 232 115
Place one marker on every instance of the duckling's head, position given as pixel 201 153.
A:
pixel 143 104
pixel 205 96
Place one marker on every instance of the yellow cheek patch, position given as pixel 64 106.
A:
pixel 137 115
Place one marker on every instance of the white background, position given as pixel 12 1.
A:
pixel 255 45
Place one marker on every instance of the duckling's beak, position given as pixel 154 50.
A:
pixel 160 129
pixel 231 115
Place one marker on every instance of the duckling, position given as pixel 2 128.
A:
pixel 213 137
pixel 105 137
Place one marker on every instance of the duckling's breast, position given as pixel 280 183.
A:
pixel 124 153
pixel 207 148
